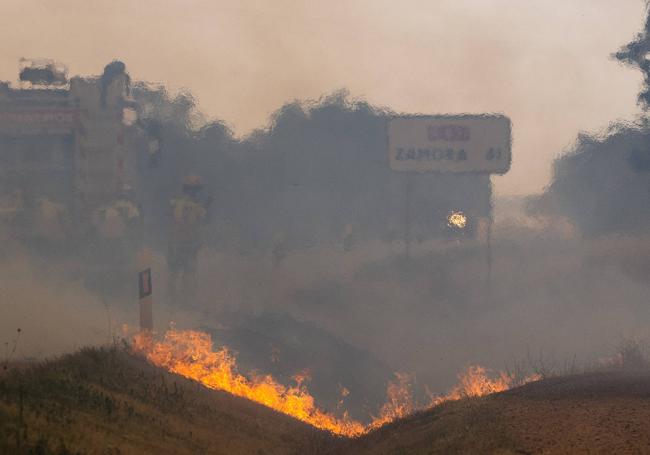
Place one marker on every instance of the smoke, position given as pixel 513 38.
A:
pixel 54 313
pixel 303 260
pixel 318 170
pixel 304 264
pixel 49 309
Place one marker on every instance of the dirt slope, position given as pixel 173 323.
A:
pixel 593 413
pixel 110 402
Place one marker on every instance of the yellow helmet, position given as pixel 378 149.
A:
pixel 126 190
pixel 192 181
pixel 192 185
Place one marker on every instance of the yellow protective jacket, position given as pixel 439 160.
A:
pixel 114 220
pixel 10 206
pixel 51 218
pixel 187 215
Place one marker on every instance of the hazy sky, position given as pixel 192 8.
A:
pixel 544 63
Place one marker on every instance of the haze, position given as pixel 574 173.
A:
pixel 545 64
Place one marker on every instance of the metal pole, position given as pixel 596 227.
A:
pixel 407 215
pixel 488 257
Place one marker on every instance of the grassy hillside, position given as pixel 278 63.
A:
pixel 590 413
pixel 110 402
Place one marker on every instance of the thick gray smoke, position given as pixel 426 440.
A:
pixel 554 297
pixel 319 166
pixel 304 263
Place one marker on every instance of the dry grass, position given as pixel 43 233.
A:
pixel 110 402
pixel 600 412
pixel 466 426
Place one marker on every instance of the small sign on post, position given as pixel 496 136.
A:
pixel 145 293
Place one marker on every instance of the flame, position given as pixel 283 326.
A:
pixel 302 377
pixel 475 382
pixel 189 353
pixel 399 403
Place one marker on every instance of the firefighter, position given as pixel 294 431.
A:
pixel 12 208
pixel 118 219
pixel 278 250
pixel 348 237
pixel 189 214
pixel 51 223
pixel 115 243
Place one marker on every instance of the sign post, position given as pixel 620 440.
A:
pixel 407 215
pixel 476 144
pixel 145 294
pixel 488 248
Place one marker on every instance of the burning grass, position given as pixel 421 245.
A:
pixel 110 401
pixel 189 353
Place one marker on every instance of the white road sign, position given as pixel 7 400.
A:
pixel 450 143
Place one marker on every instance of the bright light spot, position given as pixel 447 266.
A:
pixel 457 219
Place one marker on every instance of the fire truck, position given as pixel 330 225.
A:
pixel 67 146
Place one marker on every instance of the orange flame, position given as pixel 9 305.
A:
pixel 476 383
pixel 189 353
pixel 399 403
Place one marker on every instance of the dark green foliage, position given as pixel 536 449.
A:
pixel 634 53
pixel 603 185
